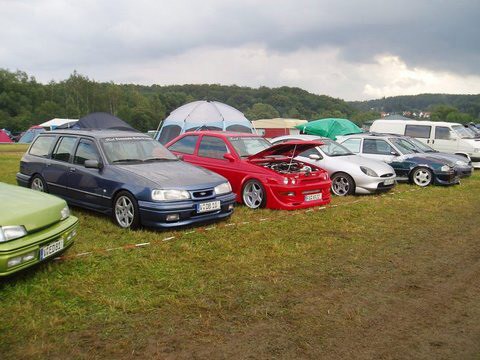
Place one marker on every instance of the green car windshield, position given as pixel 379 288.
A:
pixel 135 149
pixel 404 146
pixel 421 146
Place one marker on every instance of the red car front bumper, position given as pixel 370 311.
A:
pixel 291 197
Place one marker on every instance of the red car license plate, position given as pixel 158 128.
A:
pixel 312 197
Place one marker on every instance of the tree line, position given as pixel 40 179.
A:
pixel 25 102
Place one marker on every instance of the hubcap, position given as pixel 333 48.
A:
pixel 422 177
pixel 340 186
pixel 253 195
pixel 124 211
pixel 37 184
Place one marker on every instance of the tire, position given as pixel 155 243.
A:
pixel 125 211
pixel 254 195
pixel 342 184
pixel 38 184
pixel 422 176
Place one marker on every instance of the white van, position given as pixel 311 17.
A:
pixel 447 137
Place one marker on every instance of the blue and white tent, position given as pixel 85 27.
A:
pixel 203 115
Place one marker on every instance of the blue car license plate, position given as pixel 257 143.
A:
pixel 208 206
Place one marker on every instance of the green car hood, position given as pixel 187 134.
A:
pixel 32 209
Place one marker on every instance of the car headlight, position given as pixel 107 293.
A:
pixel 65 213
pixel 476 150
pixel 223 188
pixel 445 168
pixel 368 171
pixel 8 233
pixel 461 163
pixel 166 195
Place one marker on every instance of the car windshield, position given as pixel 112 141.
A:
pixel 420 145
pixel 332 148
pixel 463 132
pixel 404 146
pixel 246 146
pixel 135 149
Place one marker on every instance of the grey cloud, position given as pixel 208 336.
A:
pixel 435 34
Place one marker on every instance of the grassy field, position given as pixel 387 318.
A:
pixel 384 277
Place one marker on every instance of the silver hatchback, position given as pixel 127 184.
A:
pixel 350 173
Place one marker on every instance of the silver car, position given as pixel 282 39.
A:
pixel 350 173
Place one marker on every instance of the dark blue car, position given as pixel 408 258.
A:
pixel 127 175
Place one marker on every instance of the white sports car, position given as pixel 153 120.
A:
pixel 350 173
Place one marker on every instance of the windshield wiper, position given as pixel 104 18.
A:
pixel 158 159
pixel 126 160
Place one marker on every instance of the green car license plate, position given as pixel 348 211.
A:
pixel 51 249
pixel 208 206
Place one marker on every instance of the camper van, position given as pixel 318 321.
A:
pixel 442 136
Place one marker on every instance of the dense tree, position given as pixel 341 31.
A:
pixel 261 111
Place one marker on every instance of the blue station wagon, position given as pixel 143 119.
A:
pixel 127 175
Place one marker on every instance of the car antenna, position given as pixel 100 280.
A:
pixel 291 159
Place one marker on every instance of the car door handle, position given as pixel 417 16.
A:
pixel 433 141
pixel 73 169
pixel 428 141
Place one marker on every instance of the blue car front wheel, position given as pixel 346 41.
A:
pixel 125 210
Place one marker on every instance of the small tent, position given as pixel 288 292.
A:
pixel 330 128
pixel 203 115
pixel 57 122
pixel 102 121
pixel 271 128
pixel 4 138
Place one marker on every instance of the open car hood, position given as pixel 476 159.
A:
pixel 290 148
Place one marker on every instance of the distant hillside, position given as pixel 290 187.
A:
pixel 469 104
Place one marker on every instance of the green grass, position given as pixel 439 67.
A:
pixel 363 279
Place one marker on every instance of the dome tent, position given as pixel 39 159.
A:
pixel 203 115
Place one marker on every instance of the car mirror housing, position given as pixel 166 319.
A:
pixel 394 153
pixel 180 157
pixel 229 157
pixel 314 156
pixel 93 164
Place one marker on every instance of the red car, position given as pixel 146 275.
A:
pixel 261 175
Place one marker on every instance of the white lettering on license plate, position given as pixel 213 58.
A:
pixel 51 249
pixel 312 197
pixel 208 206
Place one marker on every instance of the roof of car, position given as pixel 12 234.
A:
pixel 222 133
pixel 99 134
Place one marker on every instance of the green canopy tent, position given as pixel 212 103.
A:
pixel 330 128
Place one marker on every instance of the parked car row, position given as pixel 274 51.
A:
pixel 197 177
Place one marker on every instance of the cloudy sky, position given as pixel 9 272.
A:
pixel 357 49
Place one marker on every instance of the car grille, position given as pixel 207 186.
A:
pixel 202 194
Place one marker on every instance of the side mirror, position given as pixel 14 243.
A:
pixel 93 164
pixel 315 157
pixel 394 153
pixel 180 157
pixel 229 157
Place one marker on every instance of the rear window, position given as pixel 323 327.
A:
pixel 42 146
pixel 185 145
pixel 418 131
pixel 64 148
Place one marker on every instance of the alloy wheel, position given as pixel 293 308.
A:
pixel 253 195
pixel 124 211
